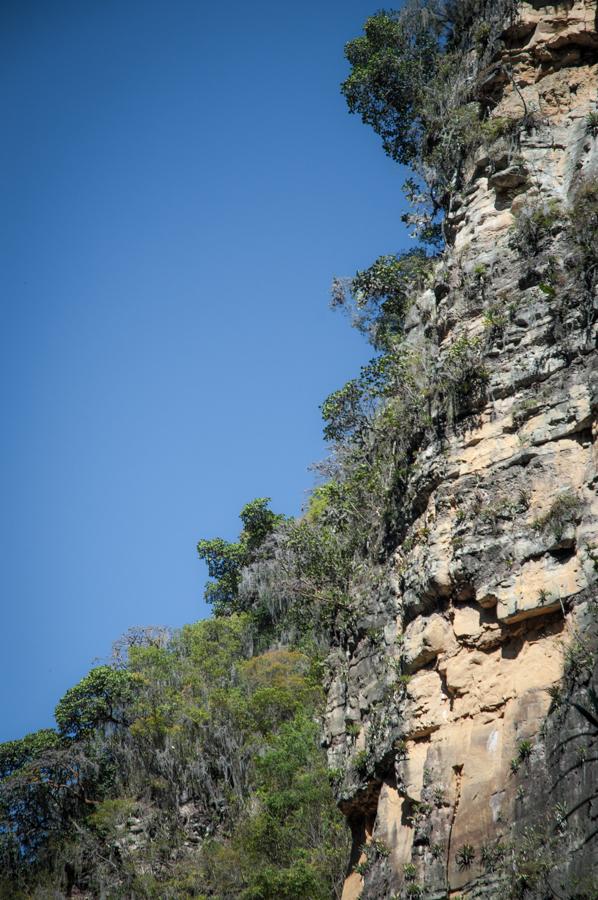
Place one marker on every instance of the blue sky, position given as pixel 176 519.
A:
pixel 179 182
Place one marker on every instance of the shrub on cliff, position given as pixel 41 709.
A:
pixel 379 297
pixel 226 559
pixel 413 79
pixel 583 233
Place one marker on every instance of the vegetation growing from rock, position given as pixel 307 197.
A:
pixel 193 765
pixel 226 559
pixel 411 80
pixel 214 738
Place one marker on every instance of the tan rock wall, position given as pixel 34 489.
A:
pixel 489 582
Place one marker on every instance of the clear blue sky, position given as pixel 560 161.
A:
pixel 179 182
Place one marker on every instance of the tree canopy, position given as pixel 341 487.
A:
pixel 226 559
pixel 392 65
pixel 99 699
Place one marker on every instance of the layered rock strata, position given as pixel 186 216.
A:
pixel 438 722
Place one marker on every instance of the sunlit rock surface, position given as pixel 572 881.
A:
pixel 497 575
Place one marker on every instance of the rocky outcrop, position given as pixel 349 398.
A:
pixel 450 766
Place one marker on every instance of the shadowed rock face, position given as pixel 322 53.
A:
pixel 455 774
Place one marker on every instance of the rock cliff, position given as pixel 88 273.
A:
pixel 440 593
pixel 462 765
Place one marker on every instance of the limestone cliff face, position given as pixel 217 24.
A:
pixel 447 770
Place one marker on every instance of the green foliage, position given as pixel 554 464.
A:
pixel 465 856
pixel 392 65
pixel 349 412
pixel 321 562
pixel 292 844
pixel 111 815
pixel 410 871
pixel 196 722
pixel 497 127
pixel 533 857
pixel 226 559
pixel 376 422
pixel 16 754
pixel 379 297
pixel 524 750
pixel 579 655
pixel 583 234
pixel 548 289
pixel 592 123
pixel 464 376
pixel 361 762
pixel 413 80
pixel 99 699
pixel 555 692
pixel 495 320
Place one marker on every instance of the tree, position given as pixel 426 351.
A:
pixel 16 754
pixel 99 699
pixel 378 297
pixel 226 559
pixel 415 80
pixel 350 411
pixel 392 66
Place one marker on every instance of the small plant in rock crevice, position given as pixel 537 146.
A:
pixel 410 872
pixel 437 851
pixel 524 750
pixel 363 868
pixel 438 796
pixel 414 891
pixel 373 851
pixel 579 656
pixel 465 856
pixel 353 729
pixel 493 855
pixel 533 226
pixel 361 762
pixel 592 123
pixel 582 234
pixel 563 511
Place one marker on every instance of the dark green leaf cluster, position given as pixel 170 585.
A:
pixel 583 233
pixel 293 847
pixel 46 778
pixel 99 699
pixel 392 65
pixel 533 226
pixel 375 423
pixel 15 755
pixel 463 377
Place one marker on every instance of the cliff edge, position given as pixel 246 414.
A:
pixel 463 767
